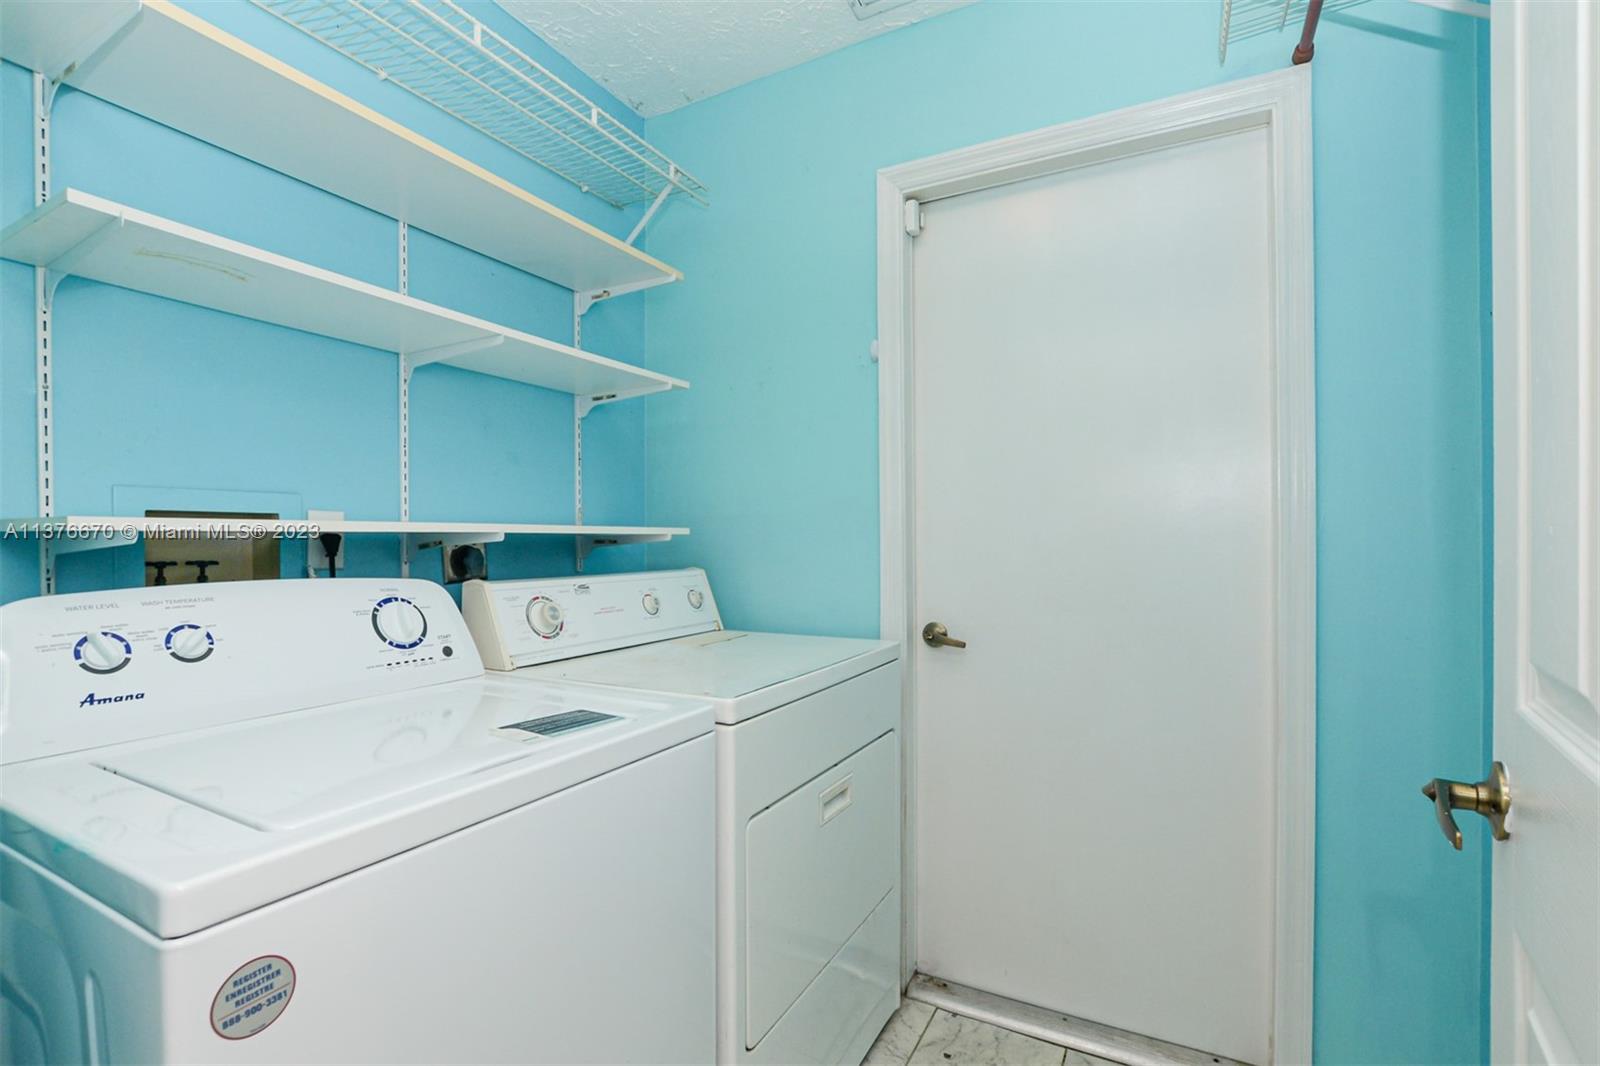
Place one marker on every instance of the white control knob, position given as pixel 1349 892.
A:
pixel 652 606
pixel 102 652
pixel 188 643
pixel 544 616
pixel 697 599
pixel 399 622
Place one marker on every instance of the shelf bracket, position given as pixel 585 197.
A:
pixel 582 301
pixel 585 404
pixel 64 265
pixel 584 546
pixel 440 353
pixel 661 198
pixel 94 47
pixel 47 102
pixel 419 542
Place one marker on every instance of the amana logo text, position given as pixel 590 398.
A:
pixel 91 700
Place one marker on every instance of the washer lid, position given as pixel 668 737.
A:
pixel 747 673
pixel 179 833
pixel 296 770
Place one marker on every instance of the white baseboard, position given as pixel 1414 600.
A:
pixel 1080 1034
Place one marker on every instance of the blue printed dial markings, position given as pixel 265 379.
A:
pixel 102 652
pixel 189 643
pixel 399 623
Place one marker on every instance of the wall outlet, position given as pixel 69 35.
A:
pixel 316 557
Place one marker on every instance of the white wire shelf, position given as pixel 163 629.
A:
pixel 1243 19
pixel 158 60
pixel 440 53
pixel 78 234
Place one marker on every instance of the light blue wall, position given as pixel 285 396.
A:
pixel 160 404
pixel 772 457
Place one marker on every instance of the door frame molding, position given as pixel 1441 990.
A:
pixel 1281 102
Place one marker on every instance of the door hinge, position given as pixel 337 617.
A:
pixel 913 218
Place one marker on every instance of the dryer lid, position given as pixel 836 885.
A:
pixel 736 668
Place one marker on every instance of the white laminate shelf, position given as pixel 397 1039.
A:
pixel 79 234
pixel 168 64
pixel 75 533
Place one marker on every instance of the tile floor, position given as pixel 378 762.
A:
pixel 920 1035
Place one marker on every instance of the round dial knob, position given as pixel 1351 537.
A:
pixel 102 652
pixel 398 622
pixel 189 643
pixel 697 599
pixel 545 617
pixel 652 606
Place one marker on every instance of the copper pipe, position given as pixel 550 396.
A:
pixel 1307 46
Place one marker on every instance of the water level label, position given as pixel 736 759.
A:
pixel 252 997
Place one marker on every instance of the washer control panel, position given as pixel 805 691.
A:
pixel 88 669
pixel 521 623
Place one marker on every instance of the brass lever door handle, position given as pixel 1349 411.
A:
pixel 935 635
pixel 1490 797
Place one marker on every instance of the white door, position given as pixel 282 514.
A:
pixel 1546 133
pixel 1094 515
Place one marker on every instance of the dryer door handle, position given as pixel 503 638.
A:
pixel 835 799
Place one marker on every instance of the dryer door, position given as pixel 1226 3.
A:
pixel 817 862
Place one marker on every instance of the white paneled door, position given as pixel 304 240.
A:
pixel 1096 515
pixel 1546 133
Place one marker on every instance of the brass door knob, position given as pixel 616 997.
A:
pixel 935 635
pixel 1490 797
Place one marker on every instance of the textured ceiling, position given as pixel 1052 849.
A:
pixel 658 55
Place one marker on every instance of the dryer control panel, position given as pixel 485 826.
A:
pixel 522 623
pixel 87 669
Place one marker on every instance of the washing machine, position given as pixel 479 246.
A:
pixel 293 821
pixel 807 784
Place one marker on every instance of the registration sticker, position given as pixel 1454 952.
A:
pixel 252 997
